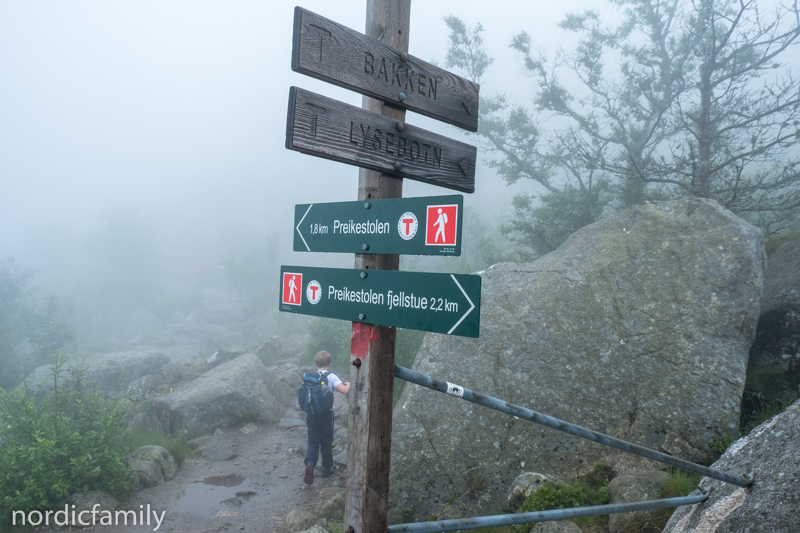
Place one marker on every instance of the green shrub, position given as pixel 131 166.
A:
pixel 154 433
pixel 551 495
pixel 58 443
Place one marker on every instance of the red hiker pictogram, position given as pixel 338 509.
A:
pixel 291 288
pixel 441 225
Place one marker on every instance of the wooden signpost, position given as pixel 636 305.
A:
pixel 330 129
pixel 334 53
pixel 377 139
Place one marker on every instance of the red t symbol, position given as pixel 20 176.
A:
pixel 407 222
pixel 313 292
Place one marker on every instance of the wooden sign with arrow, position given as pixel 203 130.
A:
pixel 323 127
pixel 334 53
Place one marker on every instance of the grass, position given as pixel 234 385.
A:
pixel 755 412
pixel 591 489
pixel 760 411
pixel 680 484
pixel 154 434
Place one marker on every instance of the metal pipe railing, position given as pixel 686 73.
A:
pixel 425 380
pixel 543 516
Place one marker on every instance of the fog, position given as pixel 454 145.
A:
pixel 142 143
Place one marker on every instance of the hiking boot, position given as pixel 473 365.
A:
pixel 308 476
pixel 327 472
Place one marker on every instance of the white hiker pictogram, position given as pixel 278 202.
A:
pixel 292 288
pixel 441 221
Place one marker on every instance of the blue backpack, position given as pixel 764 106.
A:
pixel 313 395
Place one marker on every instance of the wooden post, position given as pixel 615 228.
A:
pixel 369 429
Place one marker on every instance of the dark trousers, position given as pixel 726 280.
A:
pixel 320 436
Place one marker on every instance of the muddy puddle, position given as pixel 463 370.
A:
pixel 213 494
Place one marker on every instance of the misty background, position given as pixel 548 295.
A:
pixel 142 155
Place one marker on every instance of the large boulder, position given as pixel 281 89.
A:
pixel 150 466
pixel 110 372
pixel 231 392
pixel 772 452
pixel 773 373
pixel 638 326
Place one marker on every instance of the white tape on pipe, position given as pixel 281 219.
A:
pixel 455 390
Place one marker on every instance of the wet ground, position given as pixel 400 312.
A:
pixel 252 492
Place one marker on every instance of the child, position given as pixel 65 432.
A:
pixel 320 427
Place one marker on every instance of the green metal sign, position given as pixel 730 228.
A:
pixel 441 303
pixel 411 226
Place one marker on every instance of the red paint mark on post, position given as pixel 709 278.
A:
pixel 362 335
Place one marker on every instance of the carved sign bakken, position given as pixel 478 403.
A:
pixel 323 127
pixel 334 53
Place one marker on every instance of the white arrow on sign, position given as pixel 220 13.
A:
pixel 298 226
pixel 468 311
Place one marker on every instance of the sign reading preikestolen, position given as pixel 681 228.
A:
pixel 334 53
pixel 441 303
pixel 323 127
pixel 410 226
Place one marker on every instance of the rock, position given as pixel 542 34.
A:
pixel 773 372
pixel 635 488
pixel 556 527
pixel 109 372
pixel 772 451
pixel 150 466
pixel 341 458
pixel 249 428
pixel 298 520
pixel 289 374
pixel 782 279
pixel 217 448
pixel 198 442
pixel 334 507
pixel 85 501
pixel 638 326
pixel 278 348
pixel 524 486
pixel 233 391
pixel 316 529
pixel 176 372
pixel 140 388
pixel 288 423
pixel 222 356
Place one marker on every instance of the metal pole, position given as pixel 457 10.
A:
pixel 543 516
pixel 369 431
pixel 499 405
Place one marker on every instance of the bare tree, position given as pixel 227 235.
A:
pixel 679 99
